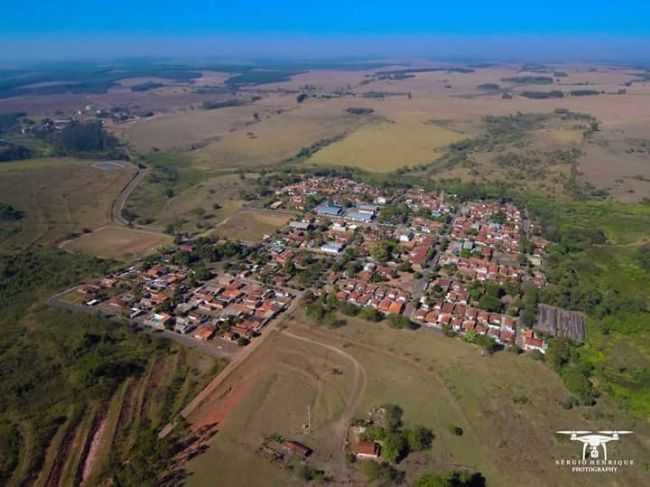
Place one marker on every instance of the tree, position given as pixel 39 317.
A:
pixel 395 447
pixel 452 479
pixel 419 438
pixel 392 416
pixel 490 303
pixel 558 353
pixel 400 322
pixel 370 314
pixel 375 471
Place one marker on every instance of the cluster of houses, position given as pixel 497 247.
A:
pixel 386 300
pixel 162 297
pixel 483 243
pixel 297 196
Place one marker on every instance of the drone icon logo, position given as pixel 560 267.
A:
pixel 592 442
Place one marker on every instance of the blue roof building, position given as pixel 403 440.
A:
pixel 329 209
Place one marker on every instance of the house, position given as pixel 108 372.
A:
pixel 367 450
pixel 204 333
pixel 158 320
pixel 531 342
pixel 183 326
pixel 295 449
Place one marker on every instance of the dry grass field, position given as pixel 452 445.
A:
pixel 278 137
pixel 251 225
pixel 60 197
pixel 389 145
pixel 198 206
pixel 119 243
pixel 501 409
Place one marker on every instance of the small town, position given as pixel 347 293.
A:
pixel 422 259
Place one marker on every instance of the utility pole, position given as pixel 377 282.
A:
pixel 307 426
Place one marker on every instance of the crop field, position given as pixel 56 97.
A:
pixel 388 145
pixel 119 243
pixel 492 398
pixel 251 225
pixel 59 197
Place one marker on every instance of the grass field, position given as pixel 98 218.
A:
pixel 251 225
pixel 279 136
pixel 59 197
pixel 504 403
pixel 387 146
pixel 119 243
pixel 194 201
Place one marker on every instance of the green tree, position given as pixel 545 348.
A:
pixel 419 438
pixel 395 447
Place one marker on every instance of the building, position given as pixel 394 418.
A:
pixel 332 248
pixel 367 450
pixel 301 225
pixel 531 342
pixel 329 209
pixel 204 333
pixel 295 449
pixel 358 216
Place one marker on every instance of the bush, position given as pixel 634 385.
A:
pixel 370 314
pixel 456 430
pixel 375 471
pixel 401 322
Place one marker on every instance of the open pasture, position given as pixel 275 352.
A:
pixel 492 398
pixel 388 145
pixel 59 197
pixel 120 243
pixel 280 136
pixel 251 225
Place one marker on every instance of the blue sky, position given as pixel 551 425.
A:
pixel 35 23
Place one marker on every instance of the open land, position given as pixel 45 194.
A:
pixel 456 386
pixel 119 243
pixel 578 160
pixel 60 197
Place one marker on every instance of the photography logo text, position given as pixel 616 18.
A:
pixel 594 456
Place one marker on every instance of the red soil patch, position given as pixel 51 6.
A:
pixel 216 411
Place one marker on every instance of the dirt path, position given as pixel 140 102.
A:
pixel 340 466
pixel 431 372
pixel 230 368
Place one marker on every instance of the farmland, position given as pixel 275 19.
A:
pixel 59 198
